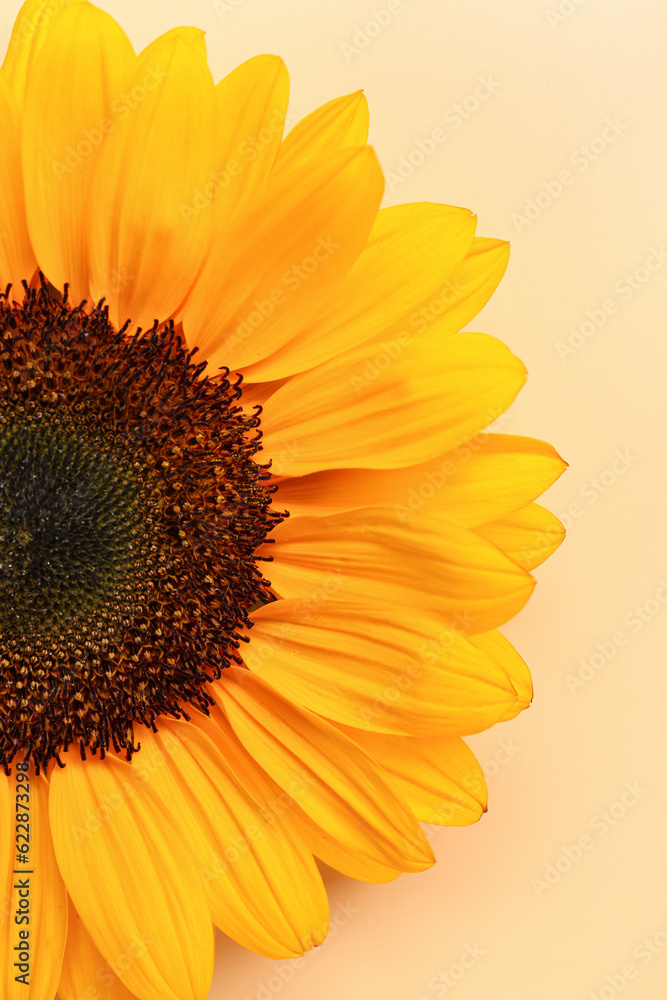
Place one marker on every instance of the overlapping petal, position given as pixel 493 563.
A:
pixel 283 810
pixel 263 890
pixel 486 477
pixel 466 291
pixel 336 125
pixel 387 404
pixel 383 667
pixel 332 781
pixel 81 69
pixel 496 646
pixel 529 535
pixel 426 563
pixel 251 103
pixel 439 776
pixel 146 246
pixel 410 251
pixel 264 280
pixel 35 19
pixel 85 972
pixel 17 260
pixel 113 843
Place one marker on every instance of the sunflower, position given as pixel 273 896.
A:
pixel 255 545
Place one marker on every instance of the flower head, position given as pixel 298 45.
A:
pixel 255 545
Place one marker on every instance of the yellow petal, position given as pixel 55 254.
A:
pixel 82 67
pixel 35 19
pixel 194 38
pixel 34 890
pixel 343 856
pixel 337 124
pixel 261 891
pixel 333 782
pixel 265 278
pixel 147 243
pixel 378 666
pixel 426 563
pixel 529 536
pixel 439 777
pixel 17 260
pixel 465 292
pixel 282 810
pixel 377 303
pixel 498 648
pixel 486 477
pixel 251 103
pixel 133 884
pixel 257 393
pixel 85 972
pixel 388 408
pixel 411 250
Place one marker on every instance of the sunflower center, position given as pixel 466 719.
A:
pixel 131 509
pixel 71 531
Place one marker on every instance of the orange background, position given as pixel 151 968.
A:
pixel 524 94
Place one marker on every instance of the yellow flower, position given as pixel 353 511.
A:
pixel 199 693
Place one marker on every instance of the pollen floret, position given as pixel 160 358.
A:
pixel 131 508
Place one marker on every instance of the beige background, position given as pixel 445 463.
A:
pixel 557 73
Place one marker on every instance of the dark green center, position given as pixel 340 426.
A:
pixel 71 531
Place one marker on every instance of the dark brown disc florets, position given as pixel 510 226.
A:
pixel 131 509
